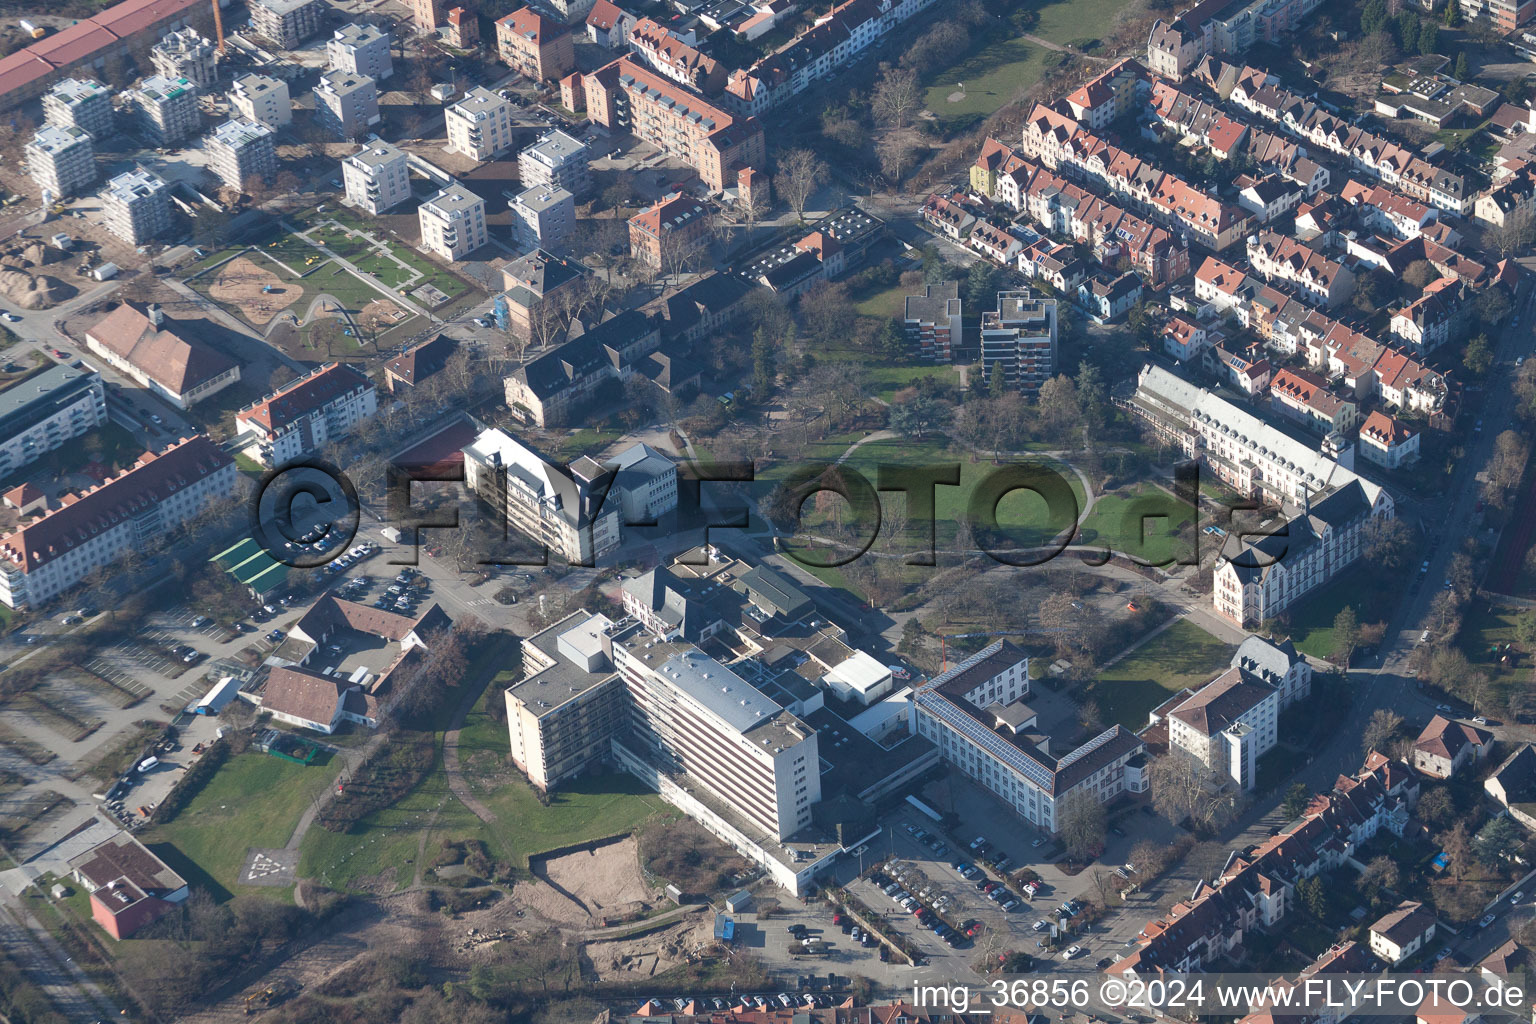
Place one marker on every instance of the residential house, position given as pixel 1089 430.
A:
pixel 1445 747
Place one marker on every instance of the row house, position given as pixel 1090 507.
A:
pixel 1320 279
pixel 948 216
pixel 1375 155
pixel 682 63
pixel 1177 46
pixel 1435 317
pixel 1109 95
pixel 995 243
pixel 1513 198
pixel 1383 210
pixel 1242 371
pixel 1055 263
pixel 1369 369
pixel 1060 144
pixel 1118 238
pixel 1255 888
pixel 1303 396
pixel 1185 340
pixel 836 38
pixel 1268 198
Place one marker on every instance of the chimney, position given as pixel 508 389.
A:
pixel 156 314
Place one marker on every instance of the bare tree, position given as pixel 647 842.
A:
pixel 801 173
pixel 1517 231
pixel 896 97
pixel 897 151
pixel 1082 821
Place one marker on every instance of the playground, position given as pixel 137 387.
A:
pixel 258 293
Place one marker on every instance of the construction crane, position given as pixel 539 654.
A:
pixel 218 26
pixel 944 639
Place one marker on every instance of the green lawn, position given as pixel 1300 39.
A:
pixel 254 800
pixel 1070 20
pixel 1311 620
pixel 1181 655
pixel 994 74
pixel 1116 522
pixel 1486 628
pixel 1024 514
pixel 390 273
pixel 891 302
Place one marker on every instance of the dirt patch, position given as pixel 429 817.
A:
pixel 606 878
pixel 257 292
pixel 649 955
pixel 381 315
pixel 549 904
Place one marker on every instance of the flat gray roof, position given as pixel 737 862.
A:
pixel 736 701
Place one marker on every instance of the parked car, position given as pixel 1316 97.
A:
pixel 200 621
pixel 1073 952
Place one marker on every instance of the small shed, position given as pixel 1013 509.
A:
pixel 738 902
pixel 725 928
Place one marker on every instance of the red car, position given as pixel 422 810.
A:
pixel 60 355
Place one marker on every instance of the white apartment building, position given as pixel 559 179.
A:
pixel 691 713
pixel 975 714
pixel 186 54
pixel 80 103
pixel 262 100
pixel 287 22
pixel 564 508
pixel 377 177
pixel 126 513
pixel 302 416
pixel 361 50
pixel 136 206
pixel 61 160
pixel 480 125
pixel 346 104
pixel 167 109
pixel 543 216
pixel 1278 664
pixel 453 223
pixel 1227 725
pixel 556 159
pixel 239 150
pixel 43 412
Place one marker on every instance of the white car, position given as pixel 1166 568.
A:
pixel 1072 952
pixel 11 318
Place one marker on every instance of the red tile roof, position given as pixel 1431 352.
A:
pixel 152 479
pixel 303 396
pixel 83 40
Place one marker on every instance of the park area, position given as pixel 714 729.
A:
pixel 1183 655
pixel 286 286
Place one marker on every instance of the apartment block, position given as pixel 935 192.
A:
pixel 556 159
pixel 684 64
pixel 1220 27
pixel 80 103
pixel 536 46
pixel 627 96
pixel 239 150
pixel 262 100
pixel 453 223
pixel 361 50
pixel 61 160
pixel 136 206
pixel 671 229
pixel 570 11
pixel 186 54
pixel 426 15
pixel 1018 338
pixel 1506 15
pixel 976 714
pixel 933 324
pixel 346 104
pixel 1303 397
pixel 542 216
pixel 1388 442
pixel 1226 725
pixel 45 411
pixel 167 109
pixel 463 29
pixel 561 508
pixel 304 415
pixel 377 177
pixel 480 126
pixel 287 22
pixel 124 513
